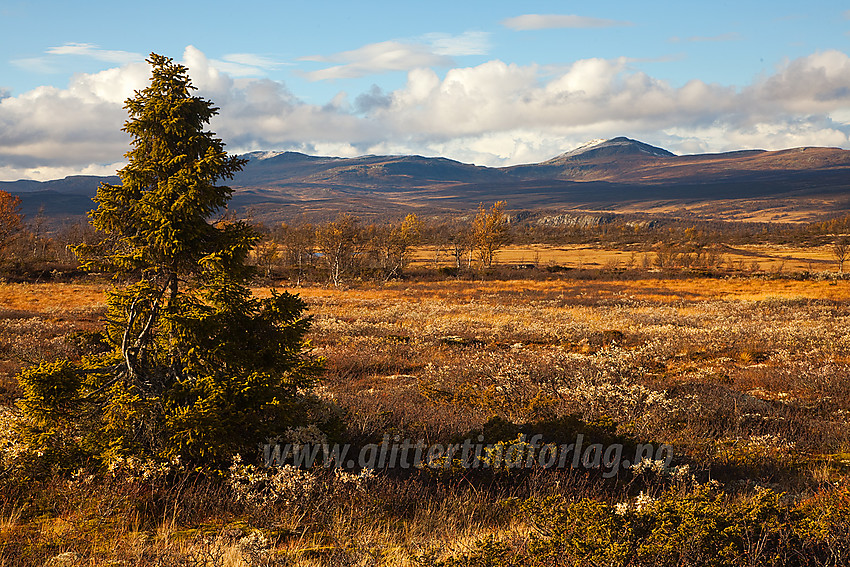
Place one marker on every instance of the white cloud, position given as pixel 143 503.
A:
pixel 377 58
pixel 551 21
pixel 252 60
pixel 48 128
pixel 763 135
pixel 112 86
pixel 495 113
pixel 47 173
pixel 51 61
pixel 246 64
pixel 496 96
pixel 206 74
pixel 817 83
pixel 467 43
pixel 95 52
pixel 431 50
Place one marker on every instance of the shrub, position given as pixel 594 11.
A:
pixel 698 527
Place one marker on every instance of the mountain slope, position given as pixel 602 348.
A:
pixel 617 174
pixel 376 172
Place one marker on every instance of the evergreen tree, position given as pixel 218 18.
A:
pixel 198 366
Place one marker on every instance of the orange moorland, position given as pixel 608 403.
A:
pixel 51 297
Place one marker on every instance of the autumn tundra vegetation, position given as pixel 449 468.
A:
pixel 179 386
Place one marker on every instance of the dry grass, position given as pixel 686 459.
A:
pixel 576 291
pixel 747 377
pixel 36 318
pixel 761 258
pixel 79 300
pixel 52 297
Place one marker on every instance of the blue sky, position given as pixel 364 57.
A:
pixel 493 83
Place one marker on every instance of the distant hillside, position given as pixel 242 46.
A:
pixel 614 175
pixel 60 200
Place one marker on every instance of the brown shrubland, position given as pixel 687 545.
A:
pixel 747 378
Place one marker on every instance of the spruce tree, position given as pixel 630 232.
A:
pixel 197 365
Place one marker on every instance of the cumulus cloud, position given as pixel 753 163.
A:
pixel 495 113
pixel 551 21
pixel 817 83
pixel 372 99
pixel 69 128
pixel 262 114
pixel 592 93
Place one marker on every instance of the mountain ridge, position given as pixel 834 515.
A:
pixel 619 174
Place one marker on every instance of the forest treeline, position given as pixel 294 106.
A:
pixel 352 247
